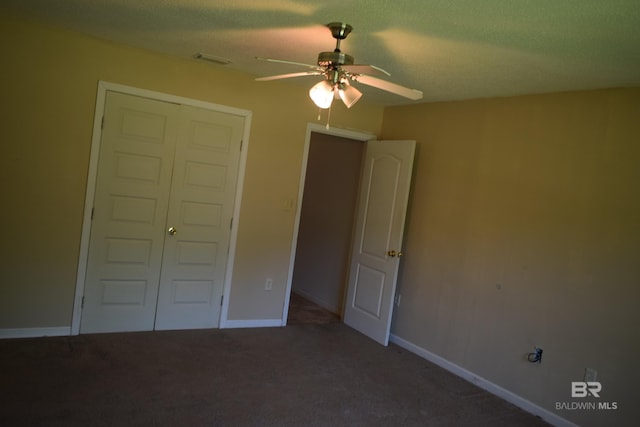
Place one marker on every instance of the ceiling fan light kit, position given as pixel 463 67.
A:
pixel 349 94
pixel 339 71
pixel 322 94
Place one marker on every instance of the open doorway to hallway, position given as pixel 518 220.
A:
pixel 329 200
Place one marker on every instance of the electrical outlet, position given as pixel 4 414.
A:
pixel 538 352
pixel 590 375
pixel 536 356
pixel 268 284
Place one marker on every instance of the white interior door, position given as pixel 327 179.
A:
pixel 200 212
pixel 129 214
pixel 377 245
pixel 161 165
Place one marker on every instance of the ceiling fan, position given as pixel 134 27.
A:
pixel 339 72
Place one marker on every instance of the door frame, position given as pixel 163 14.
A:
pixel 362 136
pixel 94 158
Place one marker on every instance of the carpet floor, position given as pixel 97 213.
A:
pixel 301 310
pixel 299 375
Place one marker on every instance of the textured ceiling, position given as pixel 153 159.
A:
pixel 449 49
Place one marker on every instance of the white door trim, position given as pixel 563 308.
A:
pixel 317 128
pixel 94 155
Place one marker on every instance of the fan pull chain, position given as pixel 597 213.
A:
pixel 328 116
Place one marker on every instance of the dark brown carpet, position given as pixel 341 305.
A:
pixel 301 311
pixel 301 375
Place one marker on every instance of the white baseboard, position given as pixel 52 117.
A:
pixel 35 332
pixel 492 388
pixel 251 323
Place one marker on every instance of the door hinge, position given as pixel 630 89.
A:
pixel 102 123
pixel 82 303
pixel 231 224
pixel 221 299
pixel 241 144
pixel 92 211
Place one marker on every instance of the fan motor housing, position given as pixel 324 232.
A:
pixel 335 59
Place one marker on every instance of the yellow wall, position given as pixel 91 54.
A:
pixel 48 86
pixel 524 230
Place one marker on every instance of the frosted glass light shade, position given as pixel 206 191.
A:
pixel 349 95
pixel 322 94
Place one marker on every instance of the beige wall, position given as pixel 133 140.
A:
pixel 524 230
pixel 48 85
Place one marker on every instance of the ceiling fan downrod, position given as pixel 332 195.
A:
pixel 339 31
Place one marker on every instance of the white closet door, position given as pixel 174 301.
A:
pixel 200 211
pixel 129 214
pixel 162 166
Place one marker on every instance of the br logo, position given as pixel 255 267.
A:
pixel 584 389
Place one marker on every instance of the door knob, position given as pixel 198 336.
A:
pixel 393 253
pixel 172 231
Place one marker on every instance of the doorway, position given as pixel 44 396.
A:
pixel 320 262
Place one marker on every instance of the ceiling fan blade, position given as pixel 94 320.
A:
pixel 286 76
pixel 281 61
pixel 364 69
pixel 413 94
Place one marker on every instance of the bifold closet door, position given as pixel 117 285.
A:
pixel 161 217
pixel 199 219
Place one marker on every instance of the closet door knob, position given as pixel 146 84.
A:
pixel 172 231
